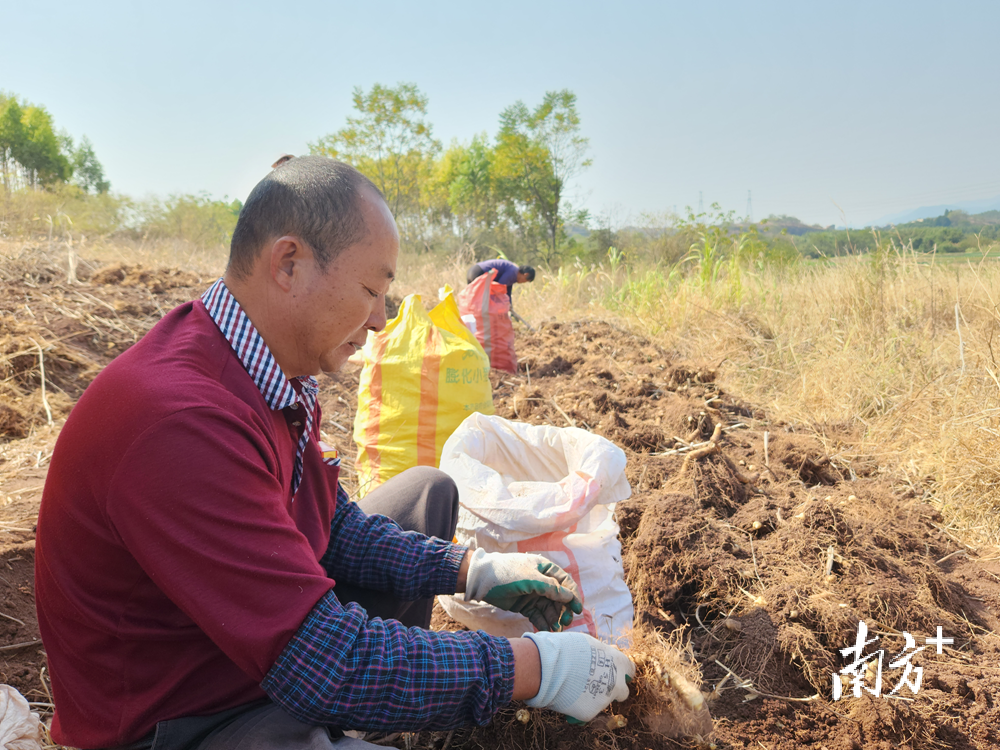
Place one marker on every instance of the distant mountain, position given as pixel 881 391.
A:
pixel 927 212
pixel 790 225
pixel 956 219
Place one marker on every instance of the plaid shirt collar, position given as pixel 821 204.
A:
pixel 249 346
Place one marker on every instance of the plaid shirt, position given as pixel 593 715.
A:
pixel 342 668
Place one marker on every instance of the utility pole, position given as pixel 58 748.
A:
pixel 749 208
pixel 701 204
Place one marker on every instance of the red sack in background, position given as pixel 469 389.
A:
pixel 489 304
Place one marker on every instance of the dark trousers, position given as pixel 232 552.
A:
pixel 474 273
pixel 420 499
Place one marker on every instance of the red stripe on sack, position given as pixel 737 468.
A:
pixel 427 415
pixel 484 321
pixel 372 429
pixel 555 541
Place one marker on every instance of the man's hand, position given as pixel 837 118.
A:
pixel 580 675
pixel 528 584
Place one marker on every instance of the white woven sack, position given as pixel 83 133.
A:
pixel 546 490
pixel 20 728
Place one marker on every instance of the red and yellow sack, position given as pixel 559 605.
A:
pixel 489 304
pixel 422 376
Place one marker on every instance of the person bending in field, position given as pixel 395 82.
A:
pixel 203 581
pixel 508 274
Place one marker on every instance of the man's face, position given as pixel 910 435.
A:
pixel 338 306
pixel 522 277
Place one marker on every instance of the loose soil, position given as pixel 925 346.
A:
pixel 757 556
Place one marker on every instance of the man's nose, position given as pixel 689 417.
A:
pixel 377 320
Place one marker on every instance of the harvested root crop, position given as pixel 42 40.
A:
pixel 667 688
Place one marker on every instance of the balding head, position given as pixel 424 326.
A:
pixel 311 197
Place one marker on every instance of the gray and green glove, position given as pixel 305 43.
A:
pixel 527 584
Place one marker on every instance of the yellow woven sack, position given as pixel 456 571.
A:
pixel 422 376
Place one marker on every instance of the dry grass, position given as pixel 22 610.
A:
pixel 425 274
pixel 893 357
pixel 75 255
pixel 207 261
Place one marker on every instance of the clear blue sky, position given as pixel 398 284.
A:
pixel 874 107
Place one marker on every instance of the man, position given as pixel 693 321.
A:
pixel 508 274
pixel 198 568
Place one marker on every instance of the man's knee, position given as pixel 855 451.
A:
pixel 421 499
pixel 438 483
pixel 438 502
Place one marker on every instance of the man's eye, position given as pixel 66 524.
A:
pixel 372 292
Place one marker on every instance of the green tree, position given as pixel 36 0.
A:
pixel 390 141
pixel 30 151
pixel 41 155
pixel 11 137
pixel 471 194
pixel 538 153
pixel 197 219
pixel 88 173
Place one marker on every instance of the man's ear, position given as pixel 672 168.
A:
pixel 286 255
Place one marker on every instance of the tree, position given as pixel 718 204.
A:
pixel 11 137
pixel 198 219
pixel 88 173
pixel 30 151
pixel 390 141
pixel 538 153
pixel 471 193
pixel 41 156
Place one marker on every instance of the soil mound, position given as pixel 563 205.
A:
pixel 59 335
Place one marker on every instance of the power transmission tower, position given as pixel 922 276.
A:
pixel 701 203
pixel 749 208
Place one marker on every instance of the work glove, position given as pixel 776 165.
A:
pixel 527 584
pixel 580 674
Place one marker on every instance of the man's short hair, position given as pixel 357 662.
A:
pixel 527 271
pixel 311 197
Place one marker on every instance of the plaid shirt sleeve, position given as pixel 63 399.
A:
pixel 342 669
pixel 375 553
